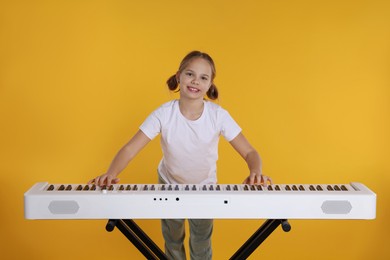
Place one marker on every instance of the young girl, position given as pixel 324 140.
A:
pixel 190 128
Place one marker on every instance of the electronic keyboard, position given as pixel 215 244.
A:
pixel 217 201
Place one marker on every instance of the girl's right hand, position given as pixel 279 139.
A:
pixel 104 179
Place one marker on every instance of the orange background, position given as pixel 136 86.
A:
pixel 308 81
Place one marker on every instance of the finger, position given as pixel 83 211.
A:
pixel 108 181
pixel 270 180
pixel 99 181
pixel 252 179
pixel 103 180
pixel 259 179
pixel 96 181
pixel 256 179
pixel 266 180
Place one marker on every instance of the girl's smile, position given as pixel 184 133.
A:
pixel 192 89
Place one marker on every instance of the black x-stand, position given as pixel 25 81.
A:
pixel 152 252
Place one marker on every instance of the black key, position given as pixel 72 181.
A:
pixel 51 187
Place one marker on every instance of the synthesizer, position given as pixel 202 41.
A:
pixel 217 201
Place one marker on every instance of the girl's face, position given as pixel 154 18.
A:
pixel 195 79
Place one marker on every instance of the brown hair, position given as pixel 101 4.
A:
pixel 172 83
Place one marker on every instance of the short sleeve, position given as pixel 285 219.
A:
pixel 151 127
pixel 229 128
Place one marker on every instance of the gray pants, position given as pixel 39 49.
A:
pixel 200 237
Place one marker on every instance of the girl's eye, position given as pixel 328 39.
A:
pixel 204 78
pixel 189 74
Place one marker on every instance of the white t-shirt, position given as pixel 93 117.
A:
pixel 190 148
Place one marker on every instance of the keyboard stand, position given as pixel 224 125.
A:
pixel 137 237
pixel 151 251
pixel 259 236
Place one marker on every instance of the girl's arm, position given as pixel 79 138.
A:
pixel 252 158
pixel 123 157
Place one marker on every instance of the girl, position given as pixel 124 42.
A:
pixel 190 128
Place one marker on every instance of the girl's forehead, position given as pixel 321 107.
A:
pixel 200 65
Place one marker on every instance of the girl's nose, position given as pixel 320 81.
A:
pixel 195 81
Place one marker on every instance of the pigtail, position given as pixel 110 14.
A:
pixel 212 93
pixel 172 83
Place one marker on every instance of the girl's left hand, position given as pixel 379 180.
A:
pixel 254 178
